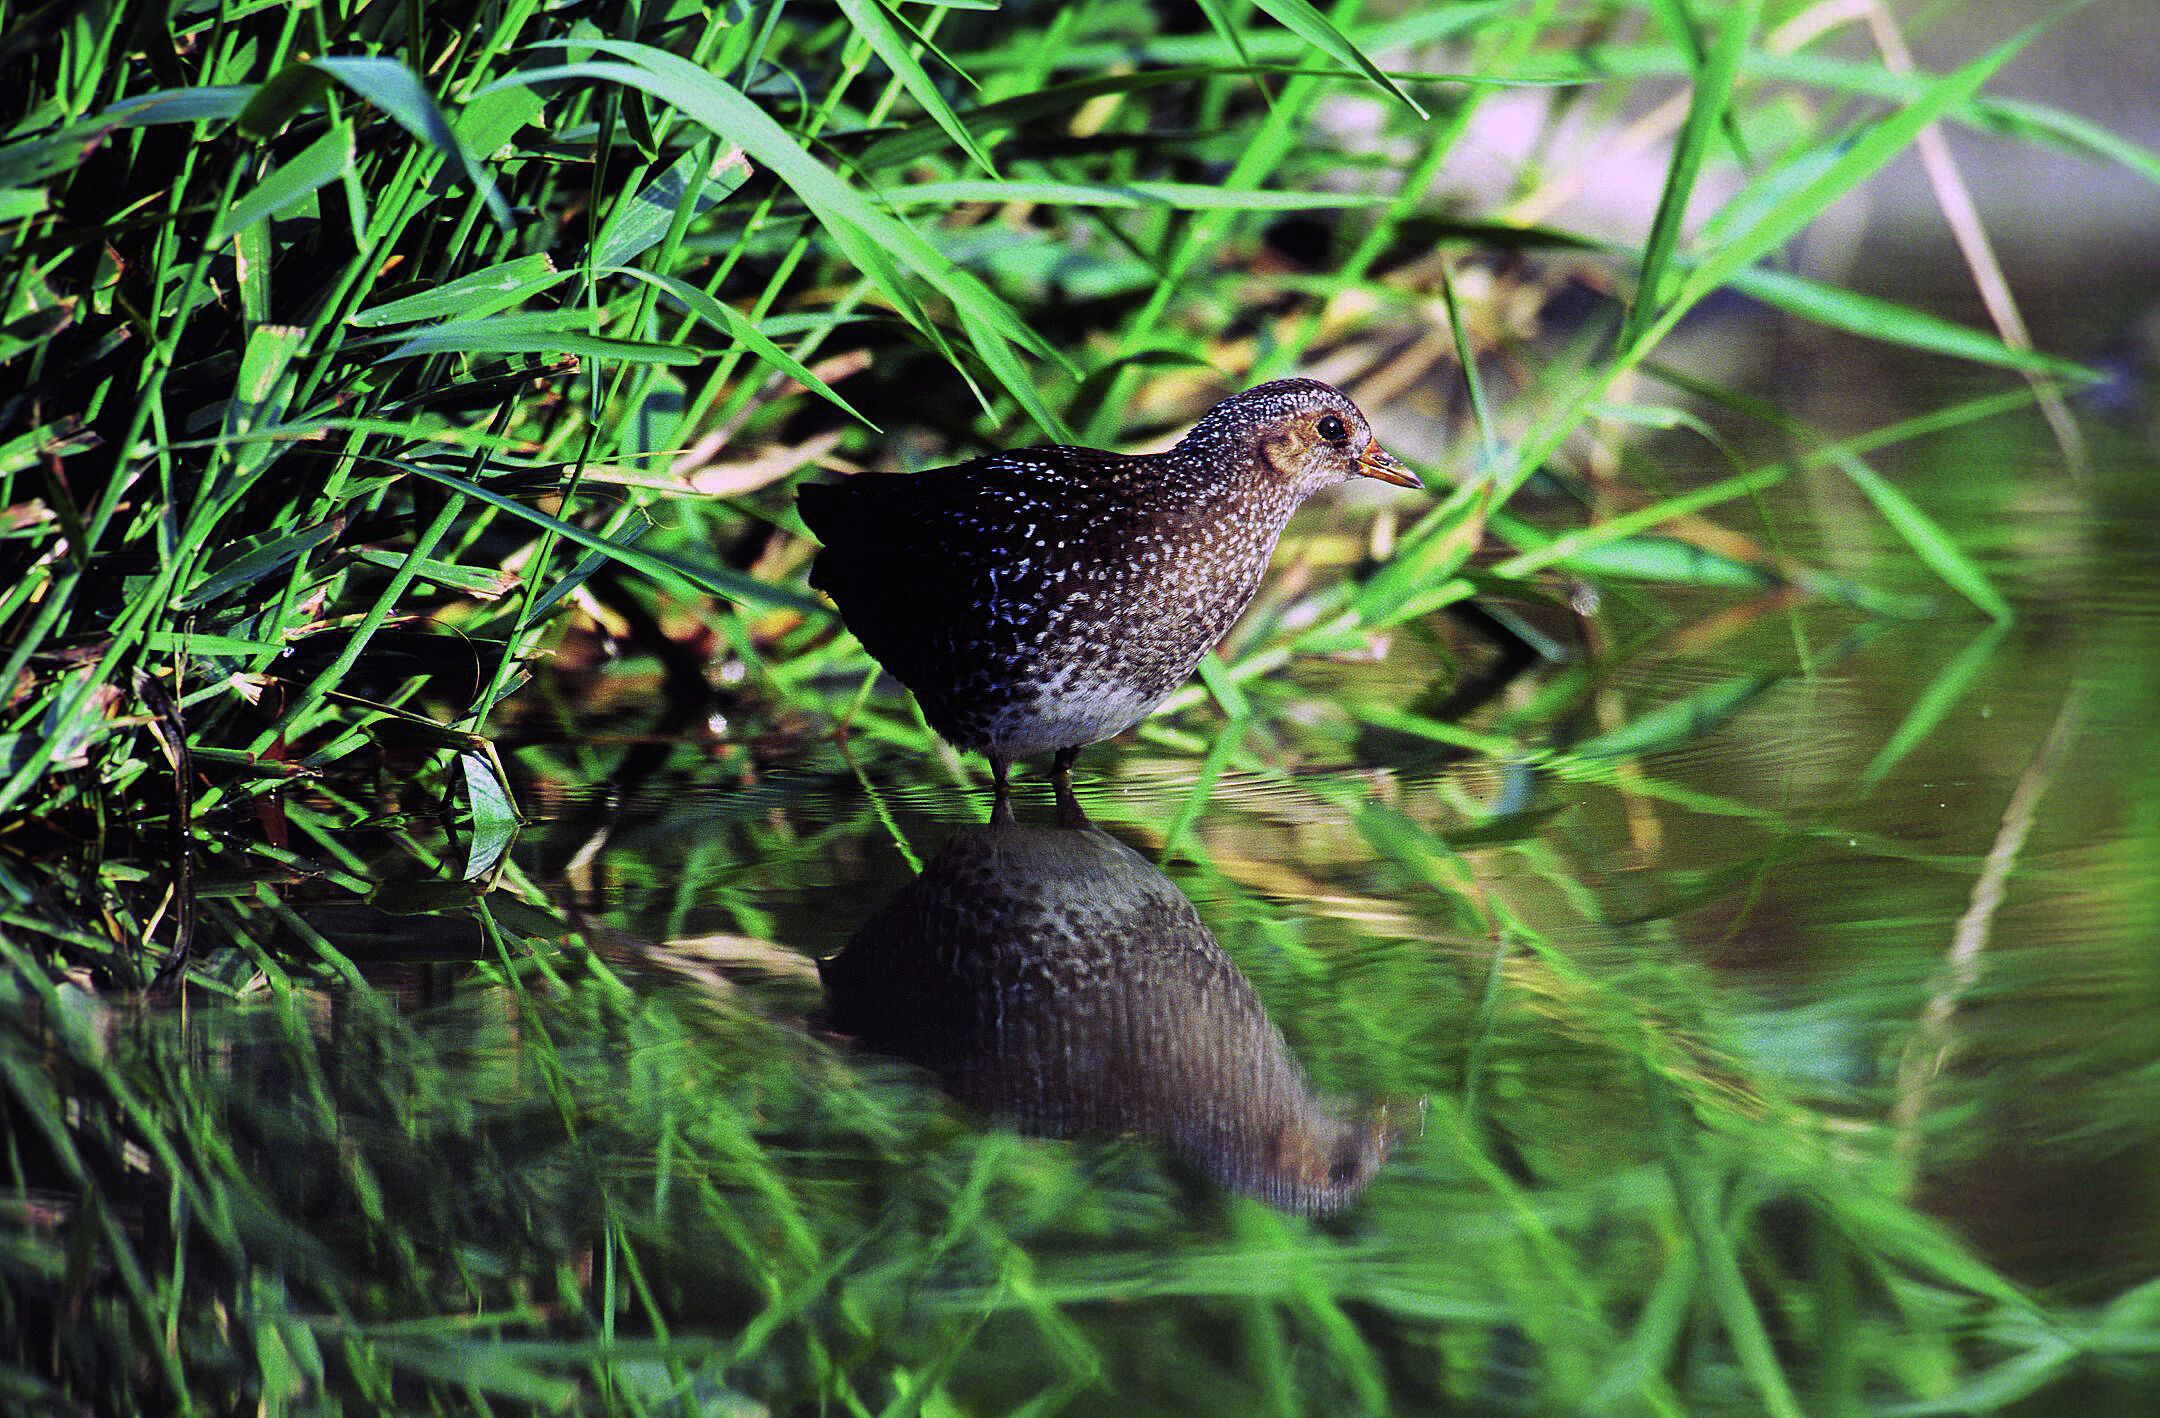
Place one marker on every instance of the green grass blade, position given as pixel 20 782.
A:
pixel 868 234
pixel 1681 722
pixel 495 818
pixel 391 87
pixel 1928 541
pixel 1626 525
pixel 884 37
pixel 471 296
pixel 1855 164
pixel 1667 561
pixel 640 224
pixel 250 561
pixel 1934 705
pixel 1219 20
pixel 464 337
pixel 1892 323
pixel 1316 29
pixel 1706 113
pixel 2074 132
pixel 530 332
pixel 399 92
pixel 1715 1252
pixel 205 104
pixel 318 165
pixel 1017 379
pixel 732 323
pixel 1466 357
pixel 730 586
pixel 1168 196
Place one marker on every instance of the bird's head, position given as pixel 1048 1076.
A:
pixel 1300 434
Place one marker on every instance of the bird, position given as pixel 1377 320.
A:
pixel 1053 977
pixel 1045 599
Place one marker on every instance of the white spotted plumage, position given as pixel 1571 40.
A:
pixel 1048 598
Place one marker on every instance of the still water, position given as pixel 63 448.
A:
pixel 1740 1001
pixel 1752 1007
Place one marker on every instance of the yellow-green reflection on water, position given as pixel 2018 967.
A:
pixel 1717 1028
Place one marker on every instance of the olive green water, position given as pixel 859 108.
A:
pixel 1802 964
pixel 1715 1066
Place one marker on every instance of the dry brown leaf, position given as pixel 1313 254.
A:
pixel 733 479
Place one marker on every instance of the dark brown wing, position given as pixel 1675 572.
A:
pixel 949 573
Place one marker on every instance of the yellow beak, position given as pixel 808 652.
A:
pixel 1377 462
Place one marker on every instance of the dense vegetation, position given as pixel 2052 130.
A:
pixel 380 380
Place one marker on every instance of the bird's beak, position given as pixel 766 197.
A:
pixel 1377 462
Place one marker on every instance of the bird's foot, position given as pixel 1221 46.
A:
pixel 1068 807
pixel 1069 811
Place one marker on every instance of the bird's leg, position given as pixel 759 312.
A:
pixel 1001 812
pixel 1068 806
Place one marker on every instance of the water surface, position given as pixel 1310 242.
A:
pixel 1768 961
pixel 1745 1005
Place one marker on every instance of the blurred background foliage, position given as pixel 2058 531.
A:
pixel 400 411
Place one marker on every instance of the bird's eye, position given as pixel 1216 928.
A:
pixel 1333 429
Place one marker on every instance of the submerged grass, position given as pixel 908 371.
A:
pixel 360 359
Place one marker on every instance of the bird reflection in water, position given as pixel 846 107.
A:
pixel 1053 977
